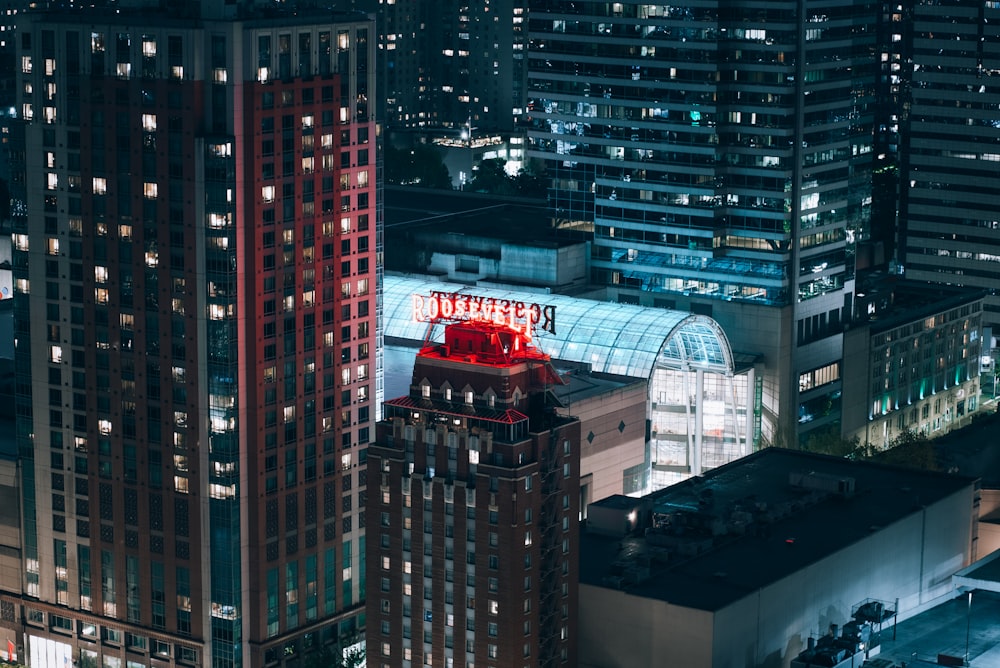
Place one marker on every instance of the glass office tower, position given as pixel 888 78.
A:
pixel 722 153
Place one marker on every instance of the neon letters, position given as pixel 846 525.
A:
pixel 519 316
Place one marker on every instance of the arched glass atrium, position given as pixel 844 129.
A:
pixel 697 397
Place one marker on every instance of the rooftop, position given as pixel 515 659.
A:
pixel 891 301
pixel 777 510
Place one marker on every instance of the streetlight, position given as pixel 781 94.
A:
pixel 968 621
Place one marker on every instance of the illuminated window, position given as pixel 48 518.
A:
pixel 104 426
pixel 55 354
pixel 307 164
pixel 289 414
pixel 100 185
pixel 326 140
pixel 101 295
pixel 180 484
pixel 21 242
pixel 148 47
pixel 123 70
pixel 177 72
pixel 345 225
pixel 52 181
pixel 307 121
pixel 363 287
pixel 149 190
pixel 220 75
pixel 26 64
pixel 267 193
pixel 53 246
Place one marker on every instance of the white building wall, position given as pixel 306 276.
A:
pixel 618 630
pixel 911 560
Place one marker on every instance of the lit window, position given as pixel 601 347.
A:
pixel 53 246
pixel 267 193
pixel 148 47
pixel 104 426
pixel 363 286
pixel 345 225
pixel 220 75
pixel 101 295
pixel 308 163
pixel 289 414
pixel 100 185
pixel 55 354
pixel 50 66
pixel 52 181
pixel 180 484
pixel 263 74
pixel 149 190
pixel 307 121
pixel 26 64
pixel 123 70
pixel 177 72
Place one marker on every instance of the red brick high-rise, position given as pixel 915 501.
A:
pixel 474 493
pixel 196 264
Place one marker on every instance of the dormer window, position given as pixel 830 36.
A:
pixel 447 394
pixel 425 391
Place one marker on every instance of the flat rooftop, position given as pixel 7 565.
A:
pixel 413 211
pixel 743 525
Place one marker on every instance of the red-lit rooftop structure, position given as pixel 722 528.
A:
pixel 485 374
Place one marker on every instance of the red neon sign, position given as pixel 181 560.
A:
pixel 518 316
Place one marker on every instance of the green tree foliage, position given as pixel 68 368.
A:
pixel 421 165
pixel 911 449
pixel 829 442
pixel 491 177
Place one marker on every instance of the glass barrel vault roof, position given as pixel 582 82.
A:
pixel 620 339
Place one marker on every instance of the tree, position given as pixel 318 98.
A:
pixel 911 449
pixel 829 442
pixel 421 165
pixel 490 176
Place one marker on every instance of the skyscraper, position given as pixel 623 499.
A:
pixel 951 167
pixel 722 152
pixel 453 64
pixel 477 505
pixel 197 251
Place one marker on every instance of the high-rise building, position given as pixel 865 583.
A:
pixel 722 153
pixel 951 128
pixel 456 64
pixel 196 260
pixel 477 505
